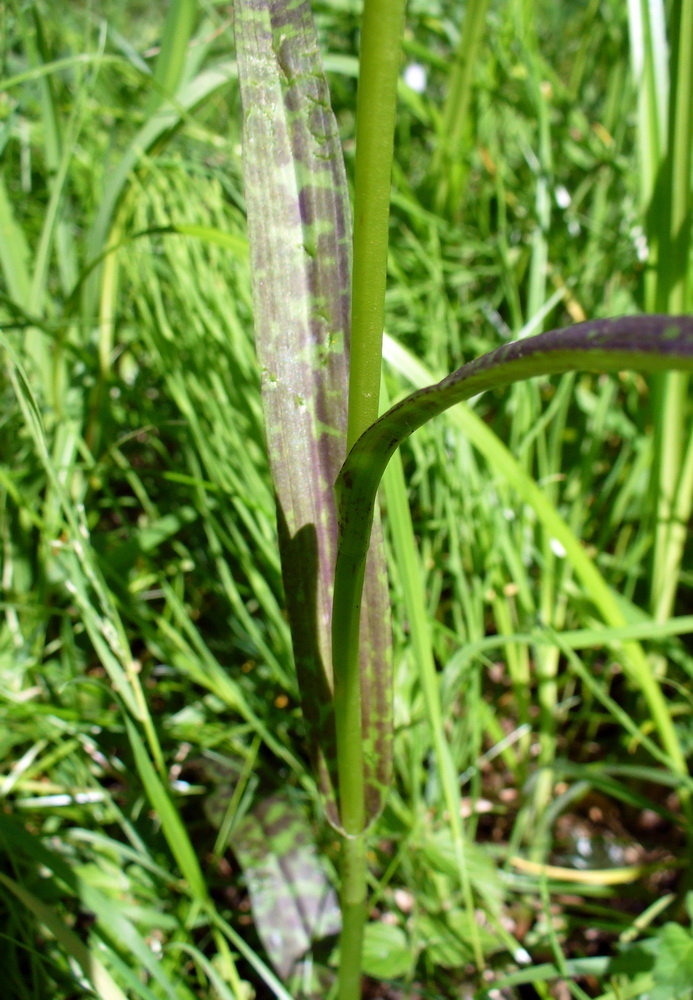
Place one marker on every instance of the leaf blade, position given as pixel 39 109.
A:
pixel 649 343
pixel 642 343
pixel 299 235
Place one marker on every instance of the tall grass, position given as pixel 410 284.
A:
pixel 148 700
pixel 662 56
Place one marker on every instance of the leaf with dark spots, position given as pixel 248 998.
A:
pixel 291 897
pixel 299 227
pixel 641 343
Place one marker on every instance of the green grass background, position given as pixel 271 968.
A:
pixel 147 698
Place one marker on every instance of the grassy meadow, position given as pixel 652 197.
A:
pixel 161 834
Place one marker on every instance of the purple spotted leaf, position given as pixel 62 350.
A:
pixel 292 900
pixel 299 230
pixel 640 343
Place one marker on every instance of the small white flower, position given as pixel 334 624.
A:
pixel 415 77
pixel 640 240
pixel 557 548
pixel 563 198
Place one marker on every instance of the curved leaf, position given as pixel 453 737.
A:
pixel 643 343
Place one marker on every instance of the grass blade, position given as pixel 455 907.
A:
pixel 404 545
pixel 673 295
pixel 170 64
pixel 665 134
pixel 448 164
pixel 172 825
pixel 90 965
pixel 14 252
pixel 167 118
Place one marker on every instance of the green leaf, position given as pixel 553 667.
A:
pixel 546 972
pixel 448 938
pixel 162 122
pixel 299 232
pixel 170 64
pixel 109 910
pixel 438 851
pixel 387 952
pixel 87 960
pixel 642 343
pixel 171 823
pixel 673 968
pixel 14 252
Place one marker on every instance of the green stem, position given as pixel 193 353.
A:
pixel 674 270
pixel 673 297
pixel 381 40
pixel 346 617
pixel 353 903
pixel 383 24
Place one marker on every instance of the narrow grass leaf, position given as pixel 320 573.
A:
pixel 648 51
pixel 166 119
pixel 244 949
pixel 449 162
pixel 14 252
pixel 674 449
pixel 132 978
pixel 504 463
pixel 204 963
pixel 170 64
pixel 193 658
pixel 111 913
pixel 299 235
pixel 171 823
pixel 57 66
pixel 90 965
pixel 546 972
pixel 409 566
pixel 103 622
